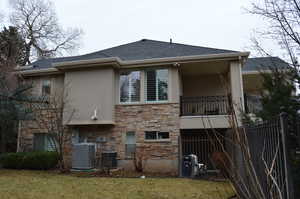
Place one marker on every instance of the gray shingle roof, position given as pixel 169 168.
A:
pixel 139 50
pixel 264 63
pixel 148 49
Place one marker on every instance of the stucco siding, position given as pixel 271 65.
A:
pixel 203 85
pixel 205 122
pixel 90 90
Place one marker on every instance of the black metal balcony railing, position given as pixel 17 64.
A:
pixel 204 105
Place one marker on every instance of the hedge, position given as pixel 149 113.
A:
pixel 29 160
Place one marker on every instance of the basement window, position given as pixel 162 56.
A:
pixel 157 135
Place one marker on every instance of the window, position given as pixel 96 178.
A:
pixel 130 86
pixel 156 135
pixel 130 144
pixel 43 142
pixel 46 87
pixel 156 85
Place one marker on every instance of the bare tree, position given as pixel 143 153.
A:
pixel 140 158
pixel 51 114
pixel 38 24
pixel 283 18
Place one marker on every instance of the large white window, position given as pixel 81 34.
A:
pixel 130 86
pixel 156 85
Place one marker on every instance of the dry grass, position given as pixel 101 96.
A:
pixel 16 184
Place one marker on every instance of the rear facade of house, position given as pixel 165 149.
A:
pixel 157 97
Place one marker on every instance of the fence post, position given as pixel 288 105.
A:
pixel 288 180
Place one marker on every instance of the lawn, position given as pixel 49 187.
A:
pixel 44 185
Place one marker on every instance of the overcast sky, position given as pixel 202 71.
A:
pixel 213 23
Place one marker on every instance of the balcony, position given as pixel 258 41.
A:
pixel 204 105
pixel 204 88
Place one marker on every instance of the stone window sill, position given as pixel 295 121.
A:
pixel 160 141
pixel 145 103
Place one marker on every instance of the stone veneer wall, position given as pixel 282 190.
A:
pixel 161 156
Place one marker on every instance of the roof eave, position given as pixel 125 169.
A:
pixel 116 62
pixel 38 72
pixel 90 63
pixel 260 71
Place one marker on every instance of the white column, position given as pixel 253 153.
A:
pixel 236 86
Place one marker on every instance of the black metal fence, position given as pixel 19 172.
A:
pixel 204 105
pixel 202 143
pixel 270 157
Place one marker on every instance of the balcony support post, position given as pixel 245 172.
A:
pixel 236 86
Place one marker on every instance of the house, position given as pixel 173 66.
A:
pixel 162 96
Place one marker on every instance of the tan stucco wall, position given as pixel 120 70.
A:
pixel 174 82
pixel 89 90
pixel 203 85
pixel 204 122
pixel 57 84
pixel 253 84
